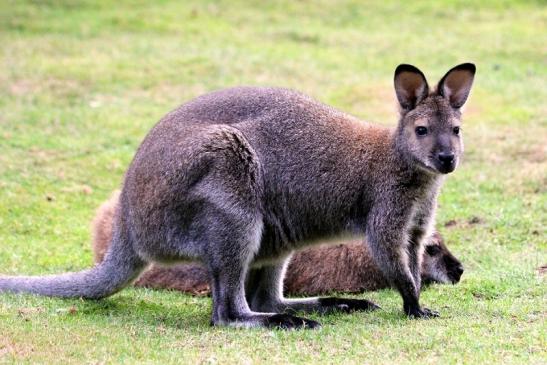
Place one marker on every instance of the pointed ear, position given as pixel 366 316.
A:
pixel 410 86
pixel 456 84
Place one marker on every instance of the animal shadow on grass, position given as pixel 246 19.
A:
pixel 184 312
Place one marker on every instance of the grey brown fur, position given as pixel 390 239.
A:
pixel 343 267
pixel 240 178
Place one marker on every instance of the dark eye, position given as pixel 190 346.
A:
pixel 421 131
pixel 456 130
pixel 433 250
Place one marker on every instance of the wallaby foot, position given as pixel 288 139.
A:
pixel 425 313
pixel 265 294
pixel 347 305
pixel 314 305
pixel 282 321
pixel 287 321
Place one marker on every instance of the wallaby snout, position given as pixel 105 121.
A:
pixel 449 147
pixel 447 162
pixel 458 274
pixel 454 268
pixel 439 264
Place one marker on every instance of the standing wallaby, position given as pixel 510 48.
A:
pixel 240 178
pixel 347 267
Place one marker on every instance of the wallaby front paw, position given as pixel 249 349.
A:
pixel 346 304
pixel 287 322
pixel 425 313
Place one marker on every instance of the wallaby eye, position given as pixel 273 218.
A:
pixel 456 130
pixel 433 250
pixel 421 131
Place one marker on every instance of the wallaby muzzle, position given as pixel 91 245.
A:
pixel 446 162
pixel 454 268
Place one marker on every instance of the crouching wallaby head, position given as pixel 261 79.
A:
pixel 344 267
pixel 239 178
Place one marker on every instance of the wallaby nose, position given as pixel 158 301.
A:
pixel 457 274
pixel 446 158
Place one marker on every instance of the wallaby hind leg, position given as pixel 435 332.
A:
pixel 229 225
pixel 265 293
pixel 227 272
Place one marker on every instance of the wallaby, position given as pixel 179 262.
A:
pixel 344 267
pixel 240 178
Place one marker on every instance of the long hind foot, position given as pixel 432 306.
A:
pixel 264 294
pixel 424 313
pixel 287 321
pixel 347 305
pixel 273 321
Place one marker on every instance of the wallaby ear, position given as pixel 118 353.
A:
pixel 410 86
pixel 456 84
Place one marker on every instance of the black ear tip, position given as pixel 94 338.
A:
pixel 404 67
pixel 468 66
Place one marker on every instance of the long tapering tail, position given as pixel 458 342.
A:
pixel 120 267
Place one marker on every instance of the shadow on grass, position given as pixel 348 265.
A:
pixel 178 313
pixel 132 307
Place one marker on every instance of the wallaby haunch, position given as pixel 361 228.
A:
pixel 347 267
pixel 240 178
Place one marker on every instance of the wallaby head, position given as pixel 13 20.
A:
pixel 439 265
pixel 429 132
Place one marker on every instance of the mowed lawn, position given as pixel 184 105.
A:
pixel 82 82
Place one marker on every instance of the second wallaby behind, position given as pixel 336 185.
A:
pixel 240 178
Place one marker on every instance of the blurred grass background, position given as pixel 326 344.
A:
pixel 83 81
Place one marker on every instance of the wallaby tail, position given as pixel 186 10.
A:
pixel 119 268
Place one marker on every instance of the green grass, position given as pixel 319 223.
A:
pixel 82 84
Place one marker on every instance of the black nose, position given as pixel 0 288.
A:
pixel 446 158
pixel 456 274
